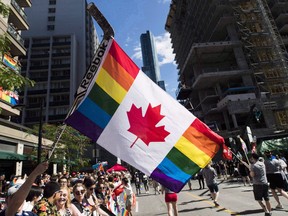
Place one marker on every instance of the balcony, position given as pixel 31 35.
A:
pixel 209 77
pixel 18 17
pixel 17 42
pixel 24 3
pixel 235 98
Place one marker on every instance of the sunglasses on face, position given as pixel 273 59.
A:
pixel 80 192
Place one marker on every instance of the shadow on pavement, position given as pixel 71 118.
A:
pixel 194 209
pixel 249 212
pixel 192 201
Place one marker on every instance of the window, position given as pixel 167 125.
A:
pixel 51 18
pixel 52 2
pixel 51 10
pixel 50 27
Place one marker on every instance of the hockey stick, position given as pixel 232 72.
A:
pixel 93 68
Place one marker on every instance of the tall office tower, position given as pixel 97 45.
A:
pixel 15 143
pixel 232 62
pixel 149 56
pixel 61 43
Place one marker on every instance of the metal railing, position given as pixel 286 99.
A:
pixel 19 10
pixel 12 31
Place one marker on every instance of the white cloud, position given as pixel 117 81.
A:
pixel 137 52
pixel 164 1
pixel 164 49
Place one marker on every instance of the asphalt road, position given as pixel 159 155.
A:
pixel 234 199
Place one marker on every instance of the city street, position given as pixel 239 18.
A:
pixel 234 199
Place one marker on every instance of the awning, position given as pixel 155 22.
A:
pixel 4 155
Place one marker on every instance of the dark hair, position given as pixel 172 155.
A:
pixel 63 177
pixel 50 188
pixel 34 191
pixel 255 156
pixel 125 180
pixel 88 182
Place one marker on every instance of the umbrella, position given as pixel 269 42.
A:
pixel 117 167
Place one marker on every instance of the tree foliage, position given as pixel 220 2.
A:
pixel 70 149
pixel 10 79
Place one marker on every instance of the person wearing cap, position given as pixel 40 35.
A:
pixel 18 193
pixel 46 206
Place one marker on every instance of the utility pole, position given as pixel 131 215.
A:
pixel 40 132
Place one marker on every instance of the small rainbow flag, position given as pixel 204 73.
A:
pixel 10 62
pixel 134 119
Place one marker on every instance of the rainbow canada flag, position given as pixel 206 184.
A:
pixel 134 119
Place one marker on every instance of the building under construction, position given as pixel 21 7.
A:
pixel 232 61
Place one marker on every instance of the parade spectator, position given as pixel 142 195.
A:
pixel 275 177
pixel 190 183
pixel 90 198
pixel 63 203
pixel 260 183
pixel 156 187
pixel 46 206
pixel 171 199
pixel 100 193
pixel 244 173
pixel 35 194
pixel 63 181
pixel 137 184
pixel 79 192
pixel 16 198
pixel 2 183
pixel 210 176
pixel 223 170
pixel 201 179
pixel 145 183
pixel 129 193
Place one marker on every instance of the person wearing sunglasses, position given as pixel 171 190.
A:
pixel 63 181
pixel 78 201
pixel 89 198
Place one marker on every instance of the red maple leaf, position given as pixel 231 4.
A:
pixel 144 127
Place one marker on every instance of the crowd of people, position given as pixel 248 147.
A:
pixel 75 194
pixel 99 193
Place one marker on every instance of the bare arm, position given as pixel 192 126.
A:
pixel 17 199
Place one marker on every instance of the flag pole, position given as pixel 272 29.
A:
pixel 242 142
pixel 243 162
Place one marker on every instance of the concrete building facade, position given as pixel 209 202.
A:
pixel 16 144
pixel 232 61
pixel 61 43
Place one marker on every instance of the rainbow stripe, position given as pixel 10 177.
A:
pixel 9 96
pixel 10 62
pixel 171 162
pixel 188 156
pixel 112 83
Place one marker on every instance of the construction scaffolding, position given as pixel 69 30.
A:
pixel 265 53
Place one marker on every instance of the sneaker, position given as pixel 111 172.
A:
pixel 216 203
pixel 268 214
pixel 279 206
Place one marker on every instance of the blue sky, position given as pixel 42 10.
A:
pixel 131 18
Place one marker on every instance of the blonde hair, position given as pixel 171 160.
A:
pixel 68 202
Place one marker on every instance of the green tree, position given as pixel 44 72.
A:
pixel 10 79
pixel 70 149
